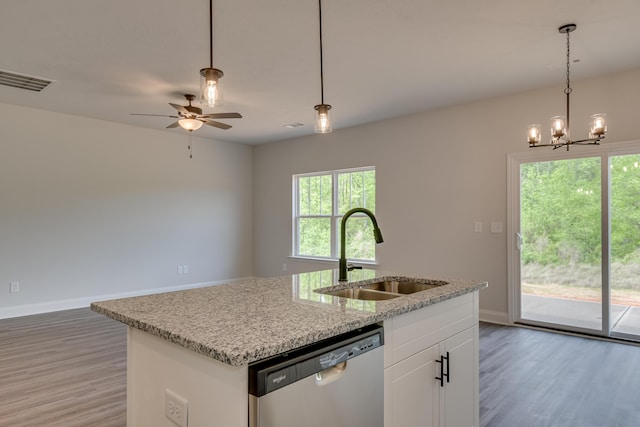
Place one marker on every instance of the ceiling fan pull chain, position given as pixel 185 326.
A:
pixel 189 147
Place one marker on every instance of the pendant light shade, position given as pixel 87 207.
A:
pixel 323 115
pixel 210 93
pixel 323 118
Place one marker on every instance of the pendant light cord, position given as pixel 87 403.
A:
pixel 210 33
pixel 321 63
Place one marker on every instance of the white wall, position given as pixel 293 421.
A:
pixel 90 209
pixel 437 173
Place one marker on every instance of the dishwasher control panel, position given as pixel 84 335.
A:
pixel 277 372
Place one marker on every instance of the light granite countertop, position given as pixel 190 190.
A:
pixel 239 323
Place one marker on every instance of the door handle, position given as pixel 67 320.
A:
pixel 331 374
pixel 519 241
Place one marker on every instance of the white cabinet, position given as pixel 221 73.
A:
pixel 412 395
pixel 439 341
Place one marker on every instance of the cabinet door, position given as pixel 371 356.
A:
pixel 412 394
pixel 459 405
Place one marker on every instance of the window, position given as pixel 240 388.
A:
pixel 320 200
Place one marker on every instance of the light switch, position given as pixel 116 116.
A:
pixel 478 227
pixel 496 227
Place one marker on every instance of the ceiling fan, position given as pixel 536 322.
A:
pixel 191 118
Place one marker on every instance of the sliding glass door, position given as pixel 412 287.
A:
pixel 576 225
pixel 561 256
pixel 625 245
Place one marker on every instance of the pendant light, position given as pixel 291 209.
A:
pixel 560 125
pixel 323 111
pixel 210 94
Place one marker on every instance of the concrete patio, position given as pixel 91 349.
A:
pixel 580 314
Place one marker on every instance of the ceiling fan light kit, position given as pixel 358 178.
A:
pixel 323 116
pixel 190 124
pixel 560 125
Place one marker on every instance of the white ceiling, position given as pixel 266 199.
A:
pixel 383 58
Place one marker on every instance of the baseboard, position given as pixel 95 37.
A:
pixel 68 304
pixel 491 316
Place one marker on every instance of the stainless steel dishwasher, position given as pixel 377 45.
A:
pixel 337 382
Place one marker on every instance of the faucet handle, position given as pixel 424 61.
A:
pixel 351 267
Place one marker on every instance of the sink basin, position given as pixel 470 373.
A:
pixel 362 294
pixel 385 290
pixel 403 287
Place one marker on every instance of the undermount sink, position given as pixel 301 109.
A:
pixel 403 287
pixel 384 290
pixel 362 294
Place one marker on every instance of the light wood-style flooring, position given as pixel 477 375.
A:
pixel 69 369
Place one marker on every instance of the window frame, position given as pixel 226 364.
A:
pixel 335 218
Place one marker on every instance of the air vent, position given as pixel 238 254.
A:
pixel 22 81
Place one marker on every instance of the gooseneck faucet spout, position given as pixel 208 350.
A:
pixel 343 237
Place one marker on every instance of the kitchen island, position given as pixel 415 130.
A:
pixel 198 342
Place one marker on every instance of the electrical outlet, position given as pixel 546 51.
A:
pixel 176 408
pixel 284 266
pixel 14 287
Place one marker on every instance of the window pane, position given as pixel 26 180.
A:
pixel 356 189
pixel 360 241
pixel 314 195
pixel 315 236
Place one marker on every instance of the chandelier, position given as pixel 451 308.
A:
pixel 560 125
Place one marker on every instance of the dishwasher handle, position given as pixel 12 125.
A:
pixel 329 375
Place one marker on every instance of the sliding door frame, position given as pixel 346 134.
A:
pixel 514 160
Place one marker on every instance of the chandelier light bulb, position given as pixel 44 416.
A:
pixel 598 125
pixel 534 134
pixel 558 127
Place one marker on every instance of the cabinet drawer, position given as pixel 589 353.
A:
pixel 413 332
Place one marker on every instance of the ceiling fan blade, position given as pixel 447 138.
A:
pixel 154 115
pixel 216 124
pixel 180 109
pixel 220 116
pixel 173 125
